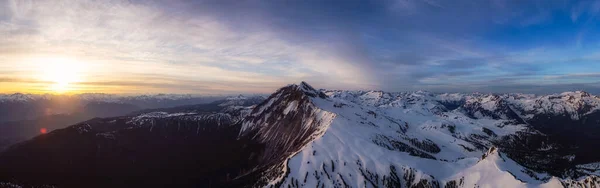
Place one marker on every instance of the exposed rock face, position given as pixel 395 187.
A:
pixel 303 137
pixel 233 143
pixel 491 106
pixel 285 123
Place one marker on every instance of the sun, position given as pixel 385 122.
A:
pixel 61 73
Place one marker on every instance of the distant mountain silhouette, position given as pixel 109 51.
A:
pixel 303 137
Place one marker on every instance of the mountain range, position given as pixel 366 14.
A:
pixel 18 106
pixel 303 137
pixel 22 116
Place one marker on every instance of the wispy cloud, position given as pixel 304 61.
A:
pixel 256 46
pixel 121 38
pixel 575 75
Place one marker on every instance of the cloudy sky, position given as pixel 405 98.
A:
pixel 222 47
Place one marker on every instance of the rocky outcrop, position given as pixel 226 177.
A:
pixel 285 123
pixel 303 137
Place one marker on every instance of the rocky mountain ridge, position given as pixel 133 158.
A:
pixel 303 137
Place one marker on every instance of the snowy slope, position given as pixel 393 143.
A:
pixel 497 170
pixel 369 138
pixel 303 137
pixel 381 139
pixel 574 104
pixel 285 123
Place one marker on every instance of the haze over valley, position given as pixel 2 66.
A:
pixel 278 93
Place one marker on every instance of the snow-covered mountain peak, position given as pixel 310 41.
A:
pixel 303 137
pixel 19 97
pixel 287 102
pixel 309 90
pixel 286 122
pixel 572 104
pixel 491 105
pixel 423 93
pixel 93 97
pixel 495 169
pixel 238 97
pixel 579 94
pixel 377 135
pixel 492 151
pixel 241 101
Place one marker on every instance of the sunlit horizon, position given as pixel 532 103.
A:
pixel 133 47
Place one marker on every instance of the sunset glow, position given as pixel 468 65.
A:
pixel 61 73
pixel 264 93
pixel 121 46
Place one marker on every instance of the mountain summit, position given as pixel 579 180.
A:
pixel 303 137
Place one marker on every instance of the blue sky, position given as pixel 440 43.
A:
pixel 119 46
